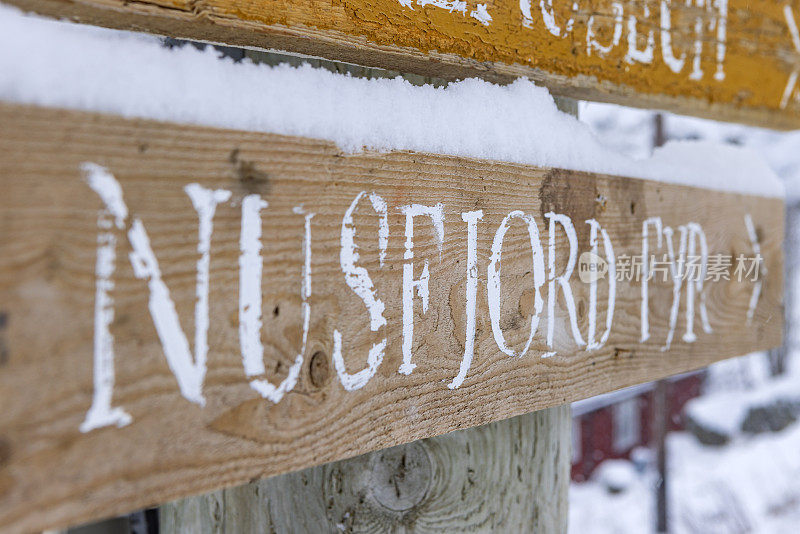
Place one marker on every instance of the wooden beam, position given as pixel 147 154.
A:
pixel 733 60
pixel 437 483
pixel 506 476
pixel 111 403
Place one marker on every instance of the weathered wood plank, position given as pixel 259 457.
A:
pixel 507 476
pixel 189 425
pixel 436 484
pixel 726 59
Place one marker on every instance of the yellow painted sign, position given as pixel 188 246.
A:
pixel 729 59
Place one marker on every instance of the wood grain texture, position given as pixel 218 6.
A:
pixel 507 476
pixel 413 487
pixel 53 474
pixel 726 59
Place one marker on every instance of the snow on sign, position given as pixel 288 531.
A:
pixel 729 59
pixel 185 308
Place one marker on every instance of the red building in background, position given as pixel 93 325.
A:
pixel 614 424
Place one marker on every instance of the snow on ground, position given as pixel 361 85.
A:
pixel 735 387
pixel 92 69
pixel 750 485
pixel 726 410
pixel 738 374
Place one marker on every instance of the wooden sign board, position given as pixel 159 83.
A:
pixel 725 59
pixel 185 308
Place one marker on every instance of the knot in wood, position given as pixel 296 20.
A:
pixel 318 369
pixel 401 476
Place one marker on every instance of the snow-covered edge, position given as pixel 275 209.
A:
pixel 59 64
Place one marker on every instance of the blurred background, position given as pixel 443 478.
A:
pixel 731 445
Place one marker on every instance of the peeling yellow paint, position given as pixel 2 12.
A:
pixel 593 49
pixel 758 61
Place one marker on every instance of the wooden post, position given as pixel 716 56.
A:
pixel 510 475
pixel 660 398
pixel 777 357
pixel 660 425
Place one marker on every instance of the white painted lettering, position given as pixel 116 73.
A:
pixel 471 218
pixel 563 279
pixel 674 64
pixel 360 282
pixel 250 300
pixel 436 214
pixel 634 55
pixel 645 305
pixel 591 344
pixel 493 280
pixel 591 41
pixel 189 370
